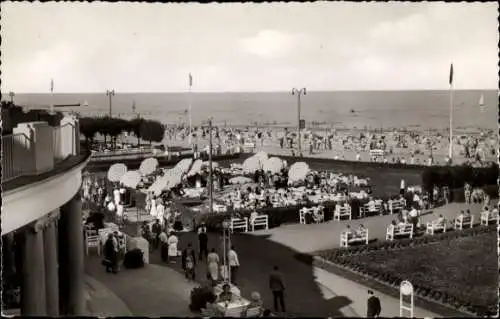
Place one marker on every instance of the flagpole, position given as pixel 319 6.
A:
pixel 51 96
pixel 189 109
pixel 450 153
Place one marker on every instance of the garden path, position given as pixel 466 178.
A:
pixel 315 237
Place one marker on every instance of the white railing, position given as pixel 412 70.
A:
pixel 36 150
pixel 13 147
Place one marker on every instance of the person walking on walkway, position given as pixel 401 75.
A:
pixel 188 262
pixel 213 266
pixel 373 306
pixel 111 254
pixel 157 229
pixel 203 242
pixel 234 264
pixel 277 285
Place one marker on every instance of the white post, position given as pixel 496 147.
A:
pixel 405 289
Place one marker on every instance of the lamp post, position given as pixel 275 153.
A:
pixel 226 236
pixel 299 93
pixel 110 94
pixel 11 95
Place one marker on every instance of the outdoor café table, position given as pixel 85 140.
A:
pixel 237 305
pixel 234 290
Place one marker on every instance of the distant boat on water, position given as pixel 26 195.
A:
pixel 85 103
pixel 481 102
pixel 353 111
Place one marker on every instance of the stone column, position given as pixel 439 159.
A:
pixel 33 302
pixel 51 264
pixel 73 274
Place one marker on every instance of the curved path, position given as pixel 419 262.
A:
pixel 310 290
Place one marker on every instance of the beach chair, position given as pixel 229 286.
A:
pixel 92 240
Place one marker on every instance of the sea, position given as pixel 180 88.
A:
pixel 412 110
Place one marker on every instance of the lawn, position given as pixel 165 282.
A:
pixel 461 271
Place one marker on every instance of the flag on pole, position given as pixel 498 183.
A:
pixel 190 80
pixel 51 85
pixel 451 74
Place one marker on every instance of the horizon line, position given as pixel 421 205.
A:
pixel 277 91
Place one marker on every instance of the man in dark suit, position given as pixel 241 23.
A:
pixel 277 285
pixel 373 306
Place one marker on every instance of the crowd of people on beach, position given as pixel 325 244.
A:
pixel 396 146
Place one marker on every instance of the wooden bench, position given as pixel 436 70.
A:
pixel 342 211
pixel 404 230
pixel 368 209
pixel 347 238
pixel 487 217
pixel 239 223
pixel 302 215
pixel 435 225
pixel 462 221
pixel 260 220
pixel 396 206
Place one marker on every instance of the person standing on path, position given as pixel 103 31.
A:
pixel 277 285
pixel 157 229
pixel 373 306
pixel 234 263
pixel 203 242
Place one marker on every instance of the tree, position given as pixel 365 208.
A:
pixel 152 131
pixel 88 128
pixel 136 125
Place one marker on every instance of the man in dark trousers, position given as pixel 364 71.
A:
pixel 156 234
pixel 203 242
pixel 277 285
pixel 373 306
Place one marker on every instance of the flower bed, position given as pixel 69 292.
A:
pixel 459 269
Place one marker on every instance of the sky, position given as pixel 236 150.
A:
pixel 324 46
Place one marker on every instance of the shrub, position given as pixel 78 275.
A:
pixel 199 298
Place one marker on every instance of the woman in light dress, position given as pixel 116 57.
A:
pixel 153 211
pixel 172 247
pixel 213 265
pixel 160 212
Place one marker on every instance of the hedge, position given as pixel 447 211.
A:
pixel 457 176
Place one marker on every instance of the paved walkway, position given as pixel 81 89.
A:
pixel 359 295
pixel 314 237
pixel 152 291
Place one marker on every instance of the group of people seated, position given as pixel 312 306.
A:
pixel 360 231
pixel 226 296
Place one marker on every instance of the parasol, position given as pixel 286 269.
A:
pixel 195 168
pixel 240 180
pixel 116 171
pixel 298 172
pixel 273 165
pixel 251 164
pixel 262 156
pixel 148 166
pixel 184 165
pixel 131 179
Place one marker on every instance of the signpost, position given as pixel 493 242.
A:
pixel 405 289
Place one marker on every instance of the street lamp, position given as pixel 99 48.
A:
pixel 226 237
pixel 299 92
pixel 110 94
pixel 11 94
